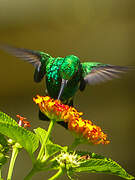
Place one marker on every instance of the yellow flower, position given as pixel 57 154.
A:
pixel 57 111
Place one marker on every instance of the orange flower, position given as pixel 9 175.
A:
pixel 57 111
pixel 22 121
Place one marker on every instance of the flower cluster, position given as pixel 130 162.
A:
pixel 22 121
pixel 57 111
pixel 68 159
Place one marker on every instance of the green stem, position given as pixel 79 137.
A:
pixel 0 173
pixel 12 161
pixel 41 152
pixel 57 175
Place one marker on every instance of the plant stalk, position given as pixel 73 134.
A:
pixel 41 152
pixel 0 173
pixel 57 175
pixel 12 162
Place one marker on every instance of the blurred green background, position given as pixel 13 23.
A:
pixel 93 30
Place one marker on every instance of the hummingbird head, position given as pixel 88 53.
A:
pixel 68 69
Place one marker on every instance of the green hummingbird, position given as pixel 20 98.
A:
pixel 65 75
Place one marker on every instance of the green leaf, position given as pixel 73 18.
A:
pixel 3 159
pixel 3 144
pixel 100 164
pixel 7 119
pixel 3 149
pixel 41 133
pixel 50 148
pixel 25 138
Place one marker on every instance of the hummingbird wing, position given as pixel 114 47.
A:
pixel 30 56
pixel 36 58
pixel 95 73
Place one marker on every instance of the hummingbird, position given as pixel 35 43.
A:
pixel 64 76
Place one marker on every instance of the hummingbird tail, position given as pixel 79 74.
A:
pixel 43 117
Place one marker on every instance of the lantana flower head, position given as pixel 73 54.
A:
pixel 57 111
pixel 68 159
pixel 22 121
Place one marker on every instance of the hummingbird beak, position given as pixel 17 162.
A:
pixel 63 84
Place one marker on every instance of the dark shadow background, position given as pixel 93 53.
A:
pixel 93 30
